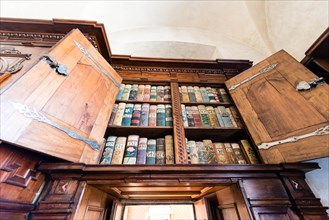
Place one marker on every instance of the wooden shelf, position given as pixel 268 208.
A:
pixel 207 103
pixel 143 131
pixel 215 134
pixel 141 102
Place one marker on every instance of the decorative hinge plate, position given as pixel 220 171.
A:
pixel 266 69
pixel 320 131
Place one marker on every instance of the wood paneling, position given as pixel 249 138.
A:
pixel 273 110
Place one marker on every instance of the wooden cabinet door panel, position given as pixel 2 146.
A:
pixel 76 107
pixel 274 110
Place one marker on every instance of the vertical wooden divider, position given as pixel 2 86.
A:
pixel 179 132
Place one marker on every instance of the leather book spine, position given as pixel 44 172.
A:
pixel 119 115
pixel 225 116
pixel 249 152
pixel 180 93
pixel 238 153
pixel 210 153
pixel 169 149
pixel 204 94
pixel 228 110
pixel 215 92
pixel 220 153
pixel 153 93
pixel 126 92
pixel 114 111
pixel 193 152
pixel 167 93
pixel 119 150
pixel 161 115
pixel 184 117
pixel 141 151
pixel 212 116
pixel 126 119
pixel 136 115
pixel 202 155
pixel 160 151
pixel 130 156
pixel 219 117
pixel 224 95
pixel 211 95
pixel 191 94
pixel 145 115
pixel 197 93
pixel 204 116
pixel 236 116
pixel 196 117
pixel 160 94
pixel 169 119
pixel 230 153
pixel 153 116
pixel 133 92
pixel 185 94
pixel 151 151
pixel 140 93
pixel 189 116
pixel 108 150
pixel 147 93
pixel 119 95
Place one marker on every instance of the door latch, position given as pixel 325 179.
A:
pixel 303 85
pixel 61 69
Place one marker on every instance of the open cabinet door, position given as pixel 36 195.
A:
pixel 286 125
pixel 62 112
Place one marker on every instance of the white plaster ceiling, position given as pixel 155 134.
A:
pixel 192 29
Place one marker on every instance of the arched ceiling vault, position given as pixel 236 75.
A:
pixel 192 29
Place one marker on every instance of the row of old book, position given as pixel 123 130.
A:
pixel 127 114
pixel 143 93
pixel 138 150
pixel 209 116
pixel 207 152
pixel 202 94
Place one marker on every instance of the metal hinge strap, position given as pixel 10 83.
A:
pixel 87 54
pixel 320 131
pixel 30 112
pixel 266 69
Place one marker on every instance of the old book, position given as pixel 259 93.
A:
pixel 153 116
pixel 161 115
pixel 160 151
pixel 122 86
pixel 141 151
pixel 169 119
pixel 224 95
pixel 119 150
pixel 210 94
pixel 193 152
pixel 145 115
pixel 126 92
pixel 238 153
pixel 167 93
pixel 188 152
pixel 147 93
pixel 212 116
pixel 151 151
pixel 133 92
pixel 184 117
pixel 118 116
pixel 169 149
pixel 202 155
pixel 215 92
pixel 197 93
pixel 185 97
pixel 191 94
pixel 204 116
pixel 219 117
pixel 220 153
pixel 230 153
pixel 189 116
pixel 136 116
pixel 236 116
pixel 114 111
pixel 204 94
pixel 180 94
pixel 219 96
pixel 153 93
pixel 248 152
pixel 130 156
pixel 108 150
pixel 210 153
pixel 228 110
pixel 225 116
pixel 160 93
pixel 140 93
pixel 196 117
pixel 126 119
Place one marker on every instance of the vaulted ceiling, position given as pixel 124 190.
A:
pixel 192 29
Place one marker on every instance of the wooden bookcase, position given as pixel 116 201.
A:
pixel 69 167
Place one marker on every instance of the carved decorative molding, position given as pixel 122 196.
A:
pixel 174 70
pixel 61 187
pixel 42 36
pixel 13 166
